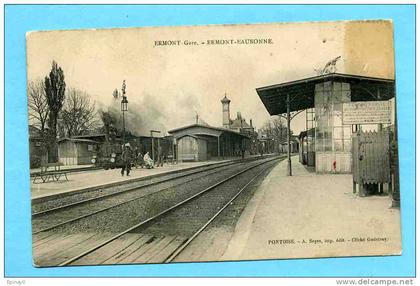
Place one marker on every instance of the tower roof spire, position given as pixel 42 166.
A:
pixel 225 99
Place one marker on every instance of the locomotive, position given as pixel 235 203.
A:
pixel 108 156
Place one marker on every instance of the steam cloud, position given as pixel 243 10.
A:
pixel 154 113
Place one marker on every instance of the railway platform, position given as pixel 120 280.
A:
pixel 313 215
pixel 93 179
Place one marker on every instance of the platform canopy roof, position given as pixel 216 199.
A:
pixel 302 92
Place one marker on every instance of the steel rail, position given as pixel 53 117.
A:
pixel 187 242
pixel 92 249
pixel 123 202
pixel 113 206
pixel 55 209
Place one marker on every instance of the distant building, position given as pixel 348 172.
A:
pixel 238 124
pixel 294 144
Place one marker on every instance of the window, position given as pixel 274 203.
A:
pixel 327 145
pixel 320 145
pixel 331 134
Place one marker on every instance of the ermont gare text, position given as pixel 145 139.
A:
pixel 164 43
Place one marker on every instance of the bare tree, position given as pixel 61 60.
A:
pixel 275 128
pixel 78 115
pixel 38 106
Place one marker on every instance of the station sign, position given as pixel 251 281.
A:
pixel 366 112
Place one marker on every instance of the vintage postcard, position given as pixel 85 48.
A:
pixel 213 143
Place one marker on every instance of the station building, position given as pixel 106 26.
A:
pixel 199 142
pixel 294 145
pixel 331 122
pixel 350 127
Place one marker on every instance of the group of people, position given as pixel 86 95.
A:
pixel 144 161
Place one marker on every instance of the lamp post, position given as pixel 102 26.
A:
pixel 153 145
pixel 124 107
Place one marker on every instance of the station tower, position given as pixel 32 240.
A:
pixel 226 112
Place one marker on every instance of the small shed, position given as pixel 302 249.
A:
pixel 75 151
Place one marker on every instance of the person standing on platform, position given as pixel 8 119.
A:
pixel 126 156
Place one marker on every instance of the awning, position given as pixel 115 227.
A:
pixel 302 91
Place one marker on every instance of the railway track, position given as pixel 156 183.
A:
pixel 109 192
pixel 159 238
pixel 69 213
pixel 71 200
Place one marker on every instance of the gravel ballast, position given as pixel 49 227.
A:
pixel 148 202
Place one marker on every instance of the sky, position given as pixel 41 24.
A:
pixel 168 84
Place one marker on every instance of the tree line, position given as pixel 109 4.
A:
pixel 275 129
pixel 58 111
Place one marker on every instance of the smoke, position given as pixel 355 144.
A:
pixel 148 115
pixel 140 118
pixel 154 113
pixel 185 108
